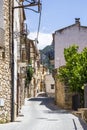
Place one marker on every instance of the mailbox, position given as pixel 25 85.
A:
pixel 1 102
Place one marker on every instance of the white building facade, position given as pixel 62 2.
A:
pixel 50 85
pixel 16 43
pixel 65 37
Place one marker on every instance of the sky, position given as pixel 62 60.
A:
pixel 55 15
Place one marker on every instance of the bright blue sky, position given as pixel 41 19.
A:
pixel 57 14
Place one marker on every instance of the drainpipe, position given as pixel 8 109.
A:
pixel 12 66
pixel 11 43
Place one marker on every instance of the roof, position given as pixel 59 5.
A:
pixel 77 23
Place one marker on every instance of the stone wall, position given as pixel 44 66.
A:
pixel 63 97
pixel 5 70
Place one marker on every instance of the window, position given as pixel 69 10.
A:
pixel 52 86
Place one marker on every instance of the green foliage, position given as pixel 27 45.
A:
pixel 74 73
pixel 29 75
pixel 68 52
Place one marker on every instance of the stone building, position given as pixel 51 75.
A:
pixel 37 83
pixel 63 38
pixel 14 58
pixel 42 72
pixel 5 62
pixel 63 96
pixel 34 61
pixel 10 59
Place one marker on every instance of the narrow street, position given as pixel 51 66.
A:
pixel 41 114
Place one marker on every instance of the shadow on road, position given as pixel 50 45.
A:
pixel 50 104
pixel 84 124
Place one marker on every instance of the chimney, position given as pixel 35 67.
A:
pixel 77 21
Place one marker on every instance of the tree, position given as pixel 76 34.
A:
pixel 29 75
pixel 74 73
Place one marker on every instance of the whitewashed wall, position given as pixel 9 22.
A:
pixel 16 42
pixel 66 37
pixel 48 82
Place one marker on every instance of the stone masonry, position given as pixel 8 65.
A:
pixel 63 96
pixel 5 70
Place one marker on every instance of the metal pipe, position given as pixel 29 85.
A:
pixel 12 67
pixel 28 5
pixel 10 41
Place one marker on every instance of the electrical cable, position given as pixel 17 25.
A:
pixel 35 12
pixel 39 22
pixel 32 10
pixel 28 1
pixel 38 26
pixel 38 30
pixel 18 2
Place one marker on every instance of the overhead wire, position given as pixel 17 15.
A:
pixel 28 1
pixel 38 27
pixel 18 2
pixel 31 9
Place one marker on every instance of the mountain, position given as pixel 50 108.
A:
pixel 47 57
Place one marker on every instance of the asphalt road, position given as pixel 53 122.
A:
pixel 41 114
